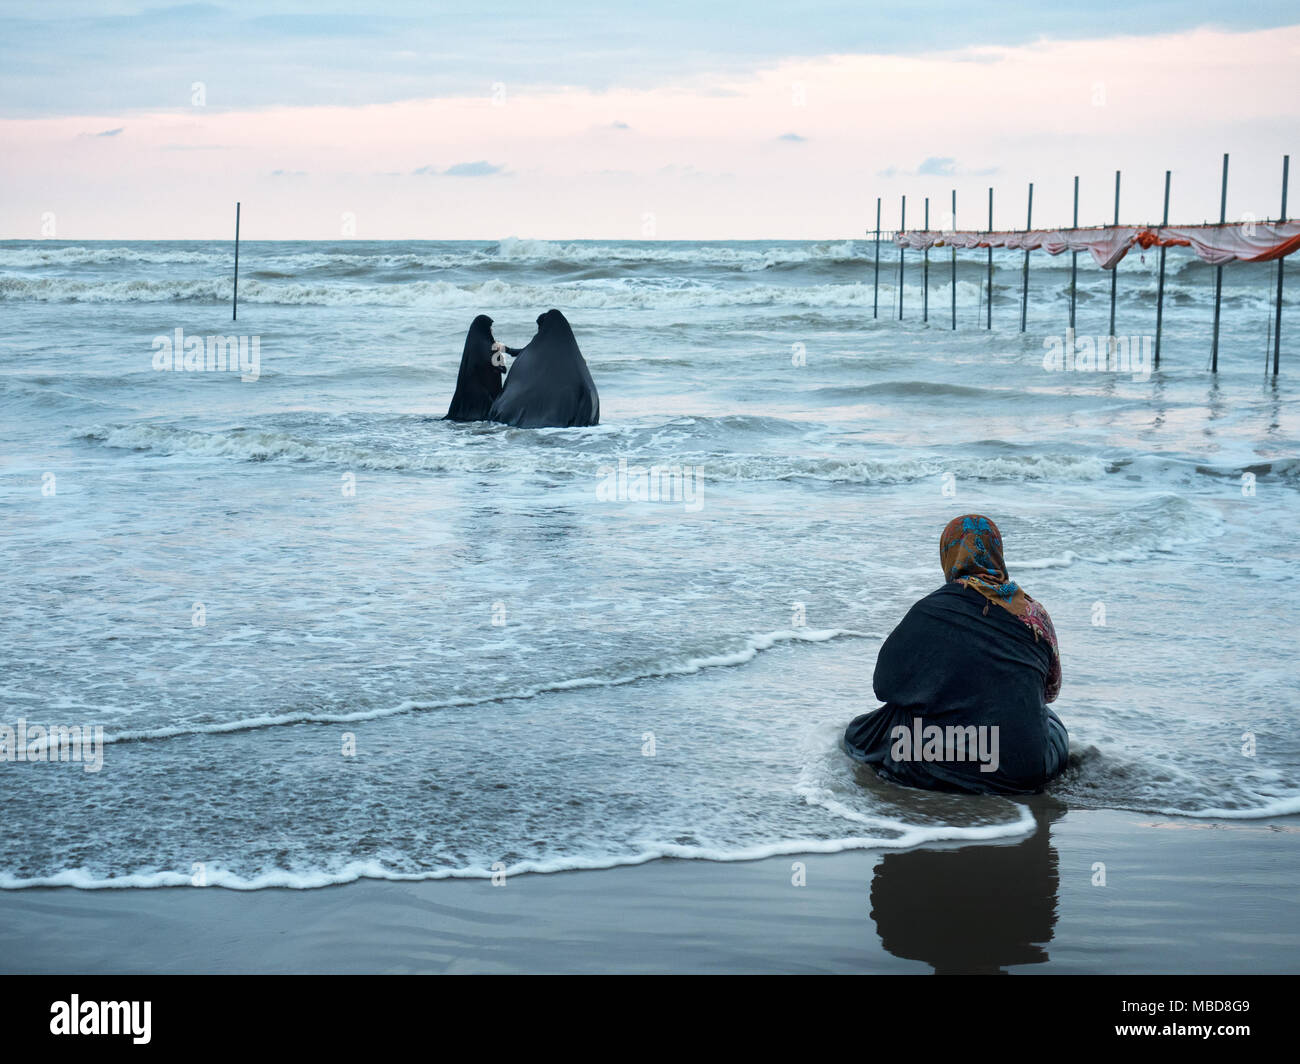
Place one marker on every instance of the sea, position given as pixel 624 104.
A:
pixel 325 635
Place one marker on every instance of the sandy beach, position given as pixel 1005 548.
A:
pixel 1181 896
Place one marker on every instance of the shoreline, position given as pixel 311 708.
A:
pixel 1186 896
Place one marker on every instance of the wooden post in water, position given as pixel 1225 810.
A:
pixel 902 227
pixel 234 296
pixel 1114 282
pixel 1024 280
pixel 954 264
pixel 925 272
pixel 1074 256
pixel 1160 285
pixel 988 303
pixel 1218 271
pixel 875 299
pixel 1281 265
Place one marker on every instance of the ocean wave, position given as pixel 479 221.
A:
pixel 1164 525
pixel 1285 468
pixel 152 255
pixel 1117 779
pixel 908 836
pixel 1272 807
pixel 738 256
pixel 394 255
pixel 612 288
pixel 1235 295
pixel 749 648
pixel 923 389
pixel 622 293
pixel 254 445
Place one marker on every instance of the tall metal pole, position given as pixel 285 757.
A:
pixel 1024 280
pixel 1218 270
pixel 954 262
pixel 1114 282
pixel 1281 265
pixel 1074 256
pixel 1160 287
pixel 902 228
pixel 234 296
pixel 875 299
pixel 925 272
pixel 988 303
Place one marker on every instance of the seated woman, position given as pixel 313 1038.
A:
pixel 966 678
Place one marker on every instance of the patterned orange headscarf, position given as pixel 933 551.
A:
pixel 970 551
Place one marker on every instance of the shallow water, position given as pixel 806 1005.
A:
pixel 538 676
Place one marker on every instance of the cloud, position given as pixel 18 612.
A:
pixel 619 125
pixel 794 138
pixel 106 132
pixel 481 168
pixel 478 168
pixel 307 55
pixel 288 173
pixel 938 166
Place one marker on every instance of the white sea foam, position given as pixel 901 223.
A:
pixel 907 837
pixel 44 255
pixel 266 445
pixel 627 293
pixel 749 649
pixel 1272 807
pixel 288 259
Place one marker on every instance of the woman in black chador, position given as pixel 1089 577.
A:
pixel 479 380
pixel 549 385
pixel 966 678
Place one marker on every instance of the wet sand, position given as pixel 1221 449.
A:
pixel 1180 896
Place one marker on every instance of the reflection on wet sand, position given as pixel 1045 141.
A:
pixel 975 909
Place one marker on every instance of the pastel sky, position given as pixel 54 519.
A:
pixel 603 120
